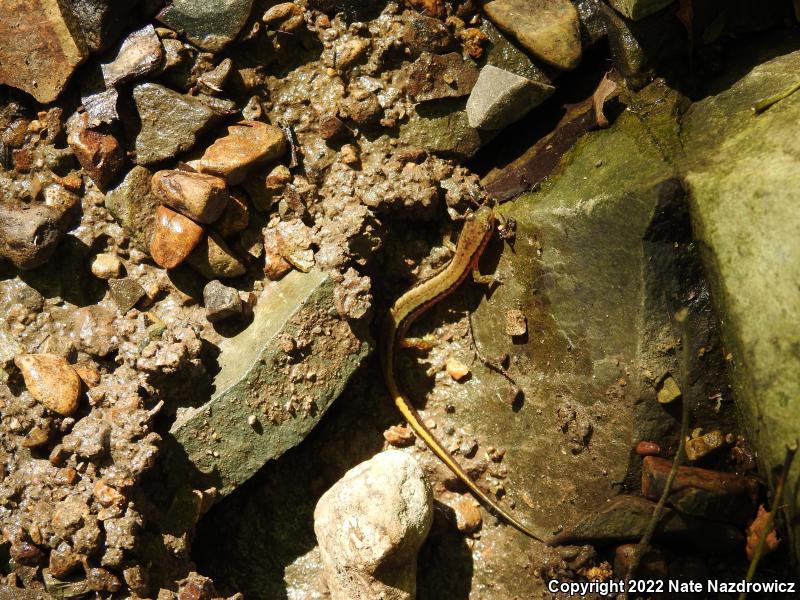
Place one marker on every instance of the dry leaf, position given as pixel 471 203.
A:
pixel 754 531
pixel 604 91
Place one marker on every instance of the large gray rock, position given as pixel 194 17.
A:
pixel 499 98
pixel 210 24
pixel 744 178
pixel 276 380
pixel 169 122
pixel 370 526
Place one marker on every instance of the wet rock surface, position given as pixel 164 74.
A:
pixel 370 526
pixel 210 25
pixel 499 98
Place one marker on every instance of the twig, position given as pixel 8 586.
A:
pixel 766 103
pixel 776 503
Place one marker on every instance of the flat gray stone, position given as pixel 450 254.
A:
pixel 500 98
pixel 210 24
pixel 276 380
pixel 170 122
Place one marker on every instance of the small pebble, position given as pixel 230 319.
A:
pixel 126 293
pixel 51 380
pixel 106 266
pixel 669 391
pixel 221 302
pixel 468 515
pixel 399 436
pixel 516 323
pixel 645 448
pixel 198 196
pixel 174 237
pixel 468 448
pixel 456 369
pixel 699 446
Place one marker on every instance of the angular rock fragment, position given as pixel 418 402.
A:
pixel 370 526
pixel 247 144
pixel 499 98
pixel 92 329
pixel 126 292
pixel 51 381
pixel 447 76
pixel 200 197
pixel 549 29
pixel 41 44
pixel 133 205
pixel 235 217
pixel 169 122
pixel 213 259
pixel 139 54
pixel 210 24
pixel 221 302
pixel 99 154
pixel 174 237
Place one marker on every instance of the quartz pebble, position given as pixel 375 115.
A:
pixel 51 380
pixel 399 436
pixel 106 266
pixel 221 302
pixel 370 526
pixel 200 197
pixel 456 369
pixel 247 144
pixel 468 515
pixel 175 236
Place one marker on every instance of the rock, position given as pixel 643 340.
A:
pixel 593 26
pixel 214 260
pixel 468 515
pixel 221 302
pixel 170 122
pixel 698 447
pixel 211 82
pixel 101 21
pixel 174 237
pixel 247 144
pixel 139 54
pixel 370 526
pixel 89 438
pixel 293 330
pixel 106 266
pixel 200 197
pixel 294 239
pixel 652 564
pixel 100 104
pixel 636 9
pixel 504 54
pixel 442 127
pixel 743 183
pixel 285 17
pixel 235 218
pixel 51 381
pixel 669 391
pixel 134 206
pixel 275 265
pixel 434 8
pixel 625 518
pixel 92 328
pixel 702 492
pixel 63 561
pixel 99 154
pixel 29 233
pixel 211 24
pixel 549 29
pixel 436 76
pixel 41 46
pixel 500 98
pixel 421 33
pixel 126 293
pixel 516 323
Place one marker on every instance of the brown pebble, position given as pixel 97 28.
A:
pixel 26 554
pixel 247 144
pixel 697 447
pixel 88 373
pixel 37 436
pixel 174 237
pixel 285 17
pixel 51 380
pixel 275 265
pixel 63 561
pixel 102 580
pixel 468 515
pixel 198 196
pixel 235 218
pixel 100 155
pixel 645 448
pixel 213 259
pixel 516 323
pixel 107 495
pixel 399 436
pixel 456 369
